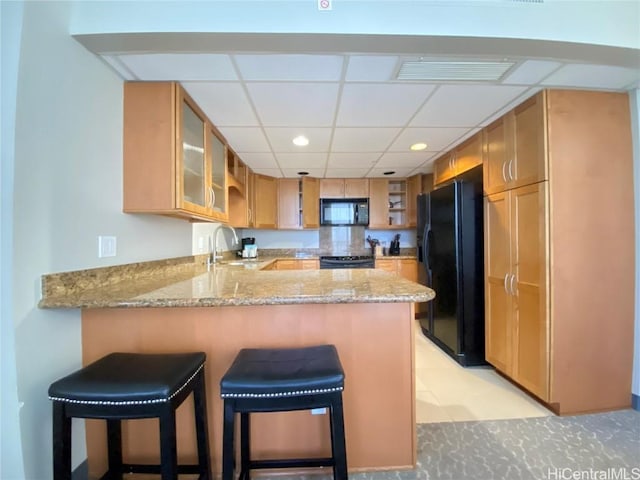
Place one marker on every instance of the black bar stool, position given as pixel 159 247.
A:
pixel 272 380
pixel 129 386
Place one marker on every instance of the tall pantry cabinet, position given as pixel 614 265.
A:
pixel 559 248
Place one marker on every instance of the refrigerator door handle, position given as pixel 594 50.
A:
pixel 426 245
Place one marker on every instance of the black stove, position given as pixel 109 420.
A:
pixel 347 261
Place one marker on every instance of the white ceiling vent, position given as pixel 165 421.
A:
pixel 453 71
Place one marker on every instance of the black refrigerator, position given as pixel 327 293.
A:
pixel 451 261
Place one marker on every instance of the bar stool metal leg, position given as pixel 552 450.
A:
pixel 61 442
pixel 114 447
pixel 168 451
pixel 245 446
pixel 338 447
pixel 227 440
pixel 200 406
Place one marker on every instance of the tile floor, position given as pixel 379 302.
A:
pixel 447 392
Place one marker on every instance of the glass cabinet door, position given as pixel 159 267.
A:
pixel 218 175
pixel 193 158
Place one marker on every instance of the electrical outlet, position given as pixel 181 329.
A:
pixel 200 244
pixel 106 246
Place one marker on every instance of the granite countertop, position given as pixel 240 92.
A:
pixel 189 283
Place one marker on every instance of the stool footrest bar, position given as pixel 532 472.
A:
pixel 292 463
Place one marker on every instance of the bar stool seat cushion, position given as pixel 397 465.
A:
pixel 289 372
pixel 129 379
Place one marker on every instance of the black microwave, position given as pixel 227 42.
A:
pixel 344 211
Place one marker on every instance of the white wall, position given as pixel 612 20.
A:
pixel 67 191
pixel 11 466
pixel 635 131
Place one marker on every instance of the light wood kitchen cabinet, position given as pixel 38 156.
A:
pixel 464 157
pixel 414 188
pixel 559 287
pixel 404 267
pixel 266 201
pixel 298 205
pixel 173 156
pixel 444 168
pixel 514 147
pixel 378 203
pixel 310 202
pixel 344 188
pixel 288 203
pixel 241 205
pixel 387 203
pixel 297 264
pixel 517 337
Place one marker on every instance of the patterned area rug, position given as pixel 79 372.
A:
pixel 602 446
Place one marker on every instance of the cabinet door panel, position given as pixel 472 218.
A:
pixel 443 169
pixel 531 365
pixel 332 188
pixel 378 203
pixel 469 154
pixel 408 268
pixel 356 188
pixel 498 334
pixel 288 203
pixel 192 137
pixel 495 161
pixel 266 201
pixel 310 204
pixel 529 164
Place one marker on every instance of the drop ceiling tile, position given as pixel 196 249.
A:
pixel 371 68
pixel 531 72
pixel 593 76
pixel 341 160
pixel 281 139
pixel 363 139
pixel 245 139
pixel 401 172
pixel 226 104
pixel 258 160
pixel 436 138
pixel 272 172
pixel 463 105
pixel 288 104
pixel 313 172
pixel 346 172
pixel 180 66
pixel 302 159
pixel 290 68
pixel 408 159
pixel 389 104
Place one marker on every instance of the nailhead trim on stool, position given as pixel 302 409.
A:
pixel 275 380
pixel 123 386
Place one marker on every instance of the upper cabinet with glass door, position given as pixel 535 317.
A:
pixel 174 162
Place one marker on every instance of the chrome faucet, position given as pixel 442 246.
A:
pixel 213 257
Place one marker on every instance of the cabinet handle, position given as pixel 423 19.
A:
pixel 511 286
pixel 504 172
pixel 250 214
pixel 510 172
pixel 506 276
pixel 213 197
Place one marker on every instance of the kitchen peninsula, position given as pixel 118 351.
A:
pixel 181 305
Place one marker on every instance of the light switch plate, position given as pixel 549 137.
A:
pixel 106 246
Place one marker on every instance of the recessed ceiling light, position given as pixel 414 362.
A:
pixel 391 172
pixel 416 147
pixel 303 173
pixel 301 141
